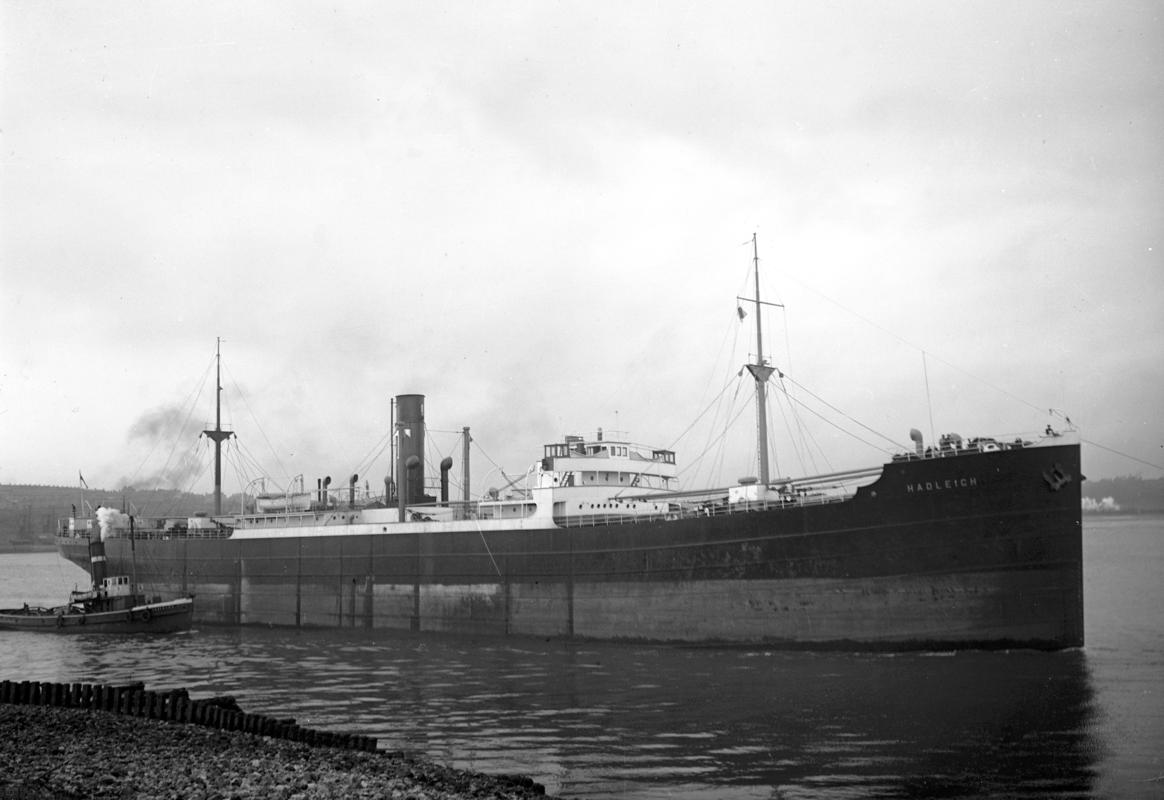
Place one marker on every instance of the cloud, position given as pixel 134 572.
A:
pixel 535 216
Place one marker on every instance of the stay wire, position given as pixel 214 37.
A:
pixel 365 464
pixel 828 421
pixel 1120 453
pixel 718 440
pixel 702 413
pixel 792 434
pixel 255 419
pixel 908 343
pixel 430 444
pixel 197 393
pixel 842 413
pixel 192 399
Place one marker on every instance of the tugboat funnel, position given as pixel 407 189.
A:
pixel 97 561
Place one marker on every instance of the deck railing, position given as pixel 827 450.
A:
pixel 154 533
pixel 718 509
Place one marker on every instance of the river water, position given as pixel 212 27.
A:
pixel 633 721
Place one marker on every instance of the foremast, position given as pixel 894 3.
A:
pixel 760 373
pixel 217 435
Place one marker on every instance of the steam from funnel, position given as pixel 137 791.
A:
pixel 110 518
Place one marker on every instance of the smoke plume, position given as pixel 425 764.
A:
pixel 110 519
pixel 172 438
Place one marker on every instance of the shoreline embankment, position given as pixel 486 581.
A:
pixel 99 741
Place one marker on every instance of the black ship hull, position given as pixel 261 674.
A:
pixel 973 550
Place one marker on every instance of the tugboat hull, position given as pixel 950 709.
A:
pixel 163 617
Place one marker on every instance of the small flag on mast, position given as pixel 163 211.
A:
pixel 81 478
pixel 741 312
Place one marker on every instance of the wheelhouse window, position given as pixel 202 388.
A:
pixel 666 456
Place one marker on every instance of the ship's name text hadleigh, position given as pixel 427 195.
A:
pixel 941 486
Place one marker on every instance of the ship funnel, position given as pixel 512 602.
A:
pixel 916 436
pixel 352 490
pixel 410 443
pixel 446 465
pixel 326 483
pixel 97 560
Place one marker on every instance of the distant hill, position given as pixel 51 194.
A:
pixel 31 513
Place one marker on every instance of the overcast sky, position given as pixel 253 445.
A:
pixel 539 215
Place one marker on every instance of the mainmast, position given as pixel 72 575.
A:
pixel 218 435
pixel 760 373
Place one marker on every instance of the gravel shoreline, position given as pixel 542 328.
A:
pixel 64 753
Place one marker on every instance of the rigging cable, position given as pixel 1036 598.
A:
pixel 193 401
pixel 799 440
pixel 487 458
pixel 234 461
pixel 806 436
pixel 1119 453
pixel 365 464
pixel 929 401
pixel 800 456
pixel 240 460
pixel 458 434
pixel 772 436
pixel 715 463
pixel 717 440
pixel 907 342
pixel 980 379
pixel 195 475
pixel 496 466
pixel 431 446
pixel 825 419
pixel 734 328
pixel 255 419
pixel 695 421
pixel 800 386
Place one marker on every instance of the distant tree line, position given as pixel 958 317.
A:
pixel 30 512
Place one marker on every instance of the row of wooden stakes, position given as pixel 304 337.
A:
pixel 175 706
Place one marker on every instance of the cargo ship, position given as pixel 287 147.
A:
pixel 964 543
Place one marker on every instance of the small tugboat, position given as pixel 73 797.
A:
pixel 111 605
